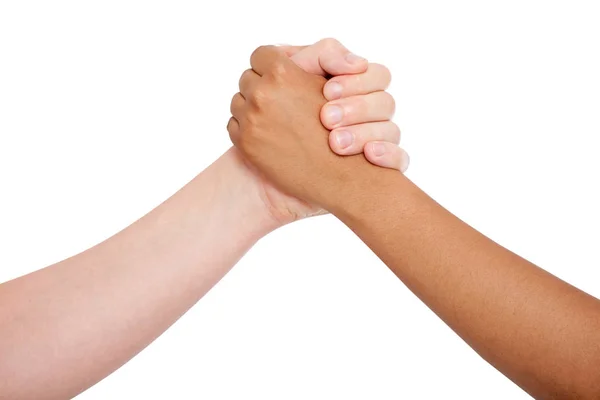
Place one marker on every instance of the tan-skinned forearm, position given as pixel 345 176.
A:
pixel 65 327
pixel 541 332
pixel 536 329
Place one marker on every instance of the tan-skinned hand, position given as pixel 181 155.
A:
pixel 276 126
pixel 359 79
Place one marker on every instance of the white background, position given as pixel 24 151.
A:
pixel 107 108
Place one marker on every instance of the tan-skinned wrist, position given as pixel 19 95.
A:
pixel 354 200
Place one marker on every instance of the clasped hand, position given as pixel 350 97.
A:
pixel 287 111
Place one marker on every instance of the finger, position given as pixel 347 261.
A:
pixel 291 50
pixel 351 140
pixel 377 78
pixel 387 155
pixel 248 81
pixel 372 107
pixel 233 127
pixel 329 57
pixel 264 58
pixel 237 105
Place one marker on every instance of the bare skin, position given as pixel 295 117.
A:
pixel 69 325
pixel 345 94
pixel 539 331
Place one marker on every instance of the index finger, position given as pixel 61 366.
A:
pixel 289 50
pixel 264 57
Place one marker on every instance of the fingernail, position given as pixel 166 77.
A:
pixel 333 90
pixel 378 149
pixel 334 114
pixel 343 139
pixel 353 58
pixel 404 162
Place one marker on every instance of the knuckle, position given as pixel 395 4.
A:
pixel 329 42
pixel 395 133
pixel 252 141
pixel 390 102
pixel 258 51
pixel 364 105
pixel 357 84
pixel 260 96
pixel 234 129
pixel 396 155
pixel 384 74
pixel 233 106
pixel 247 138
pixel 244 77
pixel 279 69
pixel 252 120
pixel 245 133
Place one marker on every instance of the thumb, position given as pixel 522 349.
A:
pixel 329 57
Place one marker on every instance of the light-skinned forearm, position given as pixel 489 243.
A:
pixel 65 327
pixel 541 332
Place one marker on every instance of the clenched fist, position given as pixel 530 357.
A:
pixel 277 128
